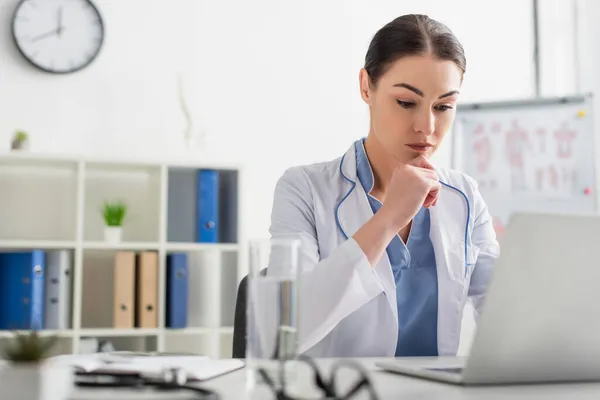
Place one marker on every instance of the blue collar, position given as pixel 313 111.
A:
pixel 364 172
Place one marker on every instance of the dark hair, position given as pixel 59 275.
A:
pixel 408 35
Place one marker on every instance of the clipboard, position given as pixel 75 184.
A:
pixel 150 365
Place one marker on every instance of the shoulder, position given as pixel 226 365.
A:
pixel 301 188
pixel 311 176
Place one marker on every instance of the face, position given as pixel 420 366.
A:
pixel 412 105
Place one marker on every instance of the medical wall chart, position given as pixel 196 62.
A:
pixel 536 155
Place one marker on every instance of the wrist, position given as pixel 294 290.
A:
pixel 375 235
pixel 388 222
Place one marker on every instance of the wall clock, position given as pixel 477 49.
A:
pixel 58 36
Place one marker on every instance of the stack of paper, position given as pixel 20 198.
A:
pixel 196 367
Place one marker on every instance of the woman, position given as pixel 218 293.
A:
pixel 391 245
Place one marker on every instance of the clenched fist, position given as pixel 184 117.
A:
pixel 413 185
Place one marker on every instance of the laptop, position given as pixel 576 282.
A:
pixel 541 317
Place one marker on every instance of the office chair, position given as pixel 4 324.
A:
pixel 239 319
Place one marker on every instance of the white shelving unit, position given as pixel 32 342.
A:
pixel 52 202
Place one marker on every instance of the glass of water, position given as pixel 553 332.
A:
pixel 271 307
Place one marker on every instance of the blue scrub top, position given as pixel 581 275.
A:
pixel 414 269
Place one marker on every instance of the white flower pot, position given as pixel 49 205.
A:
pixel 18 145
pixel 113 234
pixel 36 382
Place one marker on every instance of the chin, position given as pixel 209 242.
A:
pixel 411 154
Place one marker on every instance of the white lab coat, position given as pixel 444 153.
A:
pixel 347 308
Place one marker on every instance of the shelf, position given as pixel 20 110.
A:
pixel 56 203
pixel 99 245
pixel 189 331
pixel 226 330
pixel 184 247
pixel 202 246
pixel 49 332
pixel 36 244
pixel 121 246
pixel 138 187
pixel 32 158
pixel 112 332
pixel 200 330
pixel 38 202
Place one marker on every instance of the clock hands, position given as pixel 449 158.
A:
pixel 60 27
pixel 57 31
pixel 44 35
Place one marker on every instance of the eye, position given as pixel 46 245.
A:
pixel 405 104
pixel 443 107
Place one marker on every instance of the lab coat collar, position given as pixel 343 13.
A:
pixel 364 171
pixel 348 165
pixel 353 211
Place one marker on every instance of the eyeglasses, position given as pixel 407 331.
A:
pixel 174 379
pixel 326 386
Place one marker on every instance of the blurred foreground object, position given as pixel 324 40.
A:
pixel 27 375
pixel 20 141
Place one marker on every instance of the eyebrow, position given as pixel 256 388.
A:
pixel 420 93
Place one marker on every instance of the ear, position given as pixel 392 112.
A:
pixel 366 91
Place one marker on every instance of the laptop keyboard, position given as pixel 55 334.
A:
pixel 449 370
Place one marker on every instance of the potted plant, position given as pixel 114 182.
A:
pixel 20 141
pixel 27 375
pixel 114 214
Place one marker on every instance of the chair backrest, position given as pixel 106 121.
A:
pixel 239 320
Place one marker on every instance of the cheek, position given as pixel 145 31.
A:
pixel 443 122
pixel 392 117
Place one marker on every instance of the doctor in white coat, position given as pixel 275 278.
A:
pixel 391 246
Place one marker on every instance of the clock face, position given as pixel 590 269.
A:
pixel 58 36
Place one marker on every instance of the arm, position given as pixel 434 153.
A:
pixel 329 289
pixel 484 238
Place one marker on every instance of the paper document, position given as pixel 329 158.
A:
pixel 196 367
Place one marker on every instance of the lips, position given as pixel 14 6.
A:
pixel 420 146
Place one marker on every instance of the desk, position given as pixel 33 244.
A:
pixel 389 386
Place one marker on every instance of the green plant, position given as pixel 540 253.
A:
pixel 114 213
pixel 21 136
pixel 29 347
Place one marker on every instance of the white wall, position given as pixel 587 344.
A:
pixel 571 54
pixel 560 49
pixel 587 63
pixel 259 75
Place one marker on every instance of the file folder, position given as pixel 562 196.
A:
pixel 146 314
pixel 177 290
pixel 57 304
pixel 205 278
pixel 208 206
pixel 182 204
pixel 124 290
pixel 22 290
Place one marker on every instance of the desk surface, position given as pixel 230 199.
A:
pixel 388 386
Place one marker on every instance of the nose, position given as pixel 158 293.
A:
pixel 425 122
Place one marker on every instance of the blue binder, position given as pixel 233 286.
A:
pixel 208 206
pixel 22 278
pixel 177 290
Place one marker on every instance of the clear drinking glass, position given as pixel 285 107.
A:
pixel 271 306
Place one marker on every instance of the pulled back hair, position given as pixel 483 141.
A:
pixel 409 35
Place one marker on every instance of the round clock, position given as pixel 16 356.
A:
pixel 58 36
